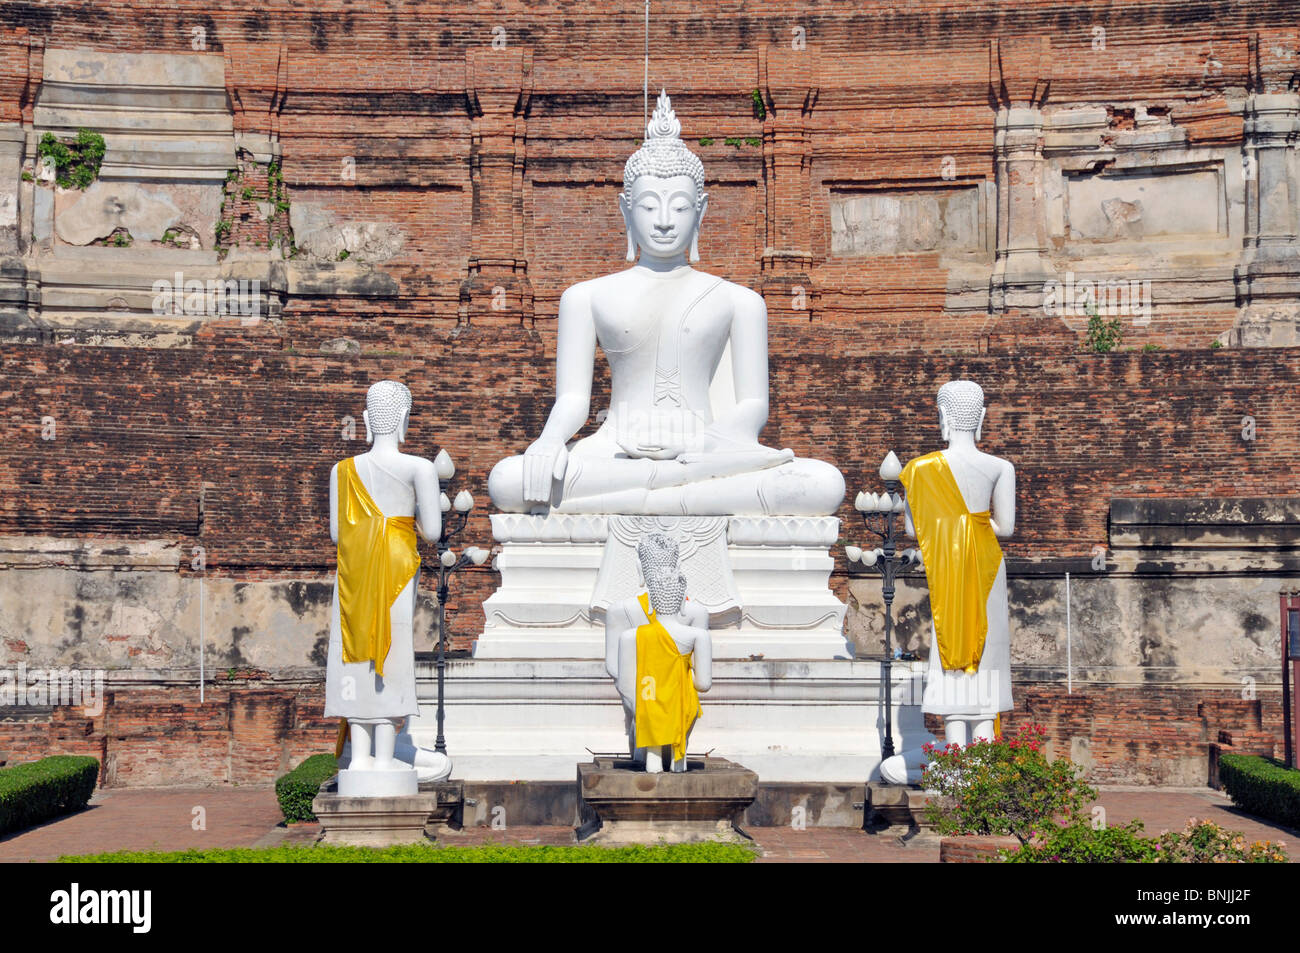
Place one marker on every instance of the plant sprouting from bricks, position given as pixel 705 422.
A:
pixel 76 163
pixel 253 213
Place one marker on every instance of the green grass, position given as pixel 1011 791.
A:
pixel 429 854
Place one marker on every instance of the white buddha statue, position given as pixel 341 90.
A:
pixel 378 501
pixel 658 651
pixel 688 366
pixel 960 501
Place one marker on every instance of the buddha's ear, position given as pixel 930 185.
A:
pixel 979 427
pixel 401 427
pixel 943 423
pixel 695 236
pixel 370 437
pixel 627 225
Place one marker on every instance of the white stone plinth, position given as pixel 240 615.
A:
pixel 401 782
pixel 788 720
pixel 764 580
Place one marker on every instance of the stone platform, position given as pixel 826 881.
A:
pixel 386 821
pixel 623 805
pixel 763 579
pixel 790 720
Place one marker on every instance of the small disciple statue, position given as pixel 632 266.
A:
pixel 687 355
pixel 960 501
pixel 378 501
pixel 658 652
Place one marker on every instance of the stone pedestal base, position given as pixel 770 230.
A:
pixel 763 579
pixel 373 821
pixel 622 805
pixel 402 782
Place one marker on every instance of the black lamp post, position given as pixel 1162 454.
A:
pixel 880 514
pixel 454 516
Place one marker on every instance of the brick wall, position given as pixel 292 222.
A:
pixel 502 166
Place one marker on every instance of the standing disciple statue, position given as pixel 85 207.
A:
pixel 658 652
pixel 378 501
pixel 687 353
pixel 960 501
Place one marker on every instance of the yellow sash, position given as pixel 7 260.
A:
pixel 961 557
pixel 666 701
pixel 377 558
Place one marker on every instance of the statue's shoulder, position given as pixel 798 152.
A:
pixel 696 615
pixel 581 293
pixel 629 609
pixel 419 466
pixel 746 300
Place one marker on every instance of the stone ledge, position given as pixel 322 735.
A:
pixel 621 805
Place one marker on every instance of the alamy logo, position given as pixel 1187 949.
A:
pixel 53 686
pixel 74 905
pixel 1108 298
pixel 210 298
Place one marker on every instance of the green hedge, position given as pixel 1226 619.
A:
pixel 40 790
pixel 296 790
pixel 429 854
pixel 1262 786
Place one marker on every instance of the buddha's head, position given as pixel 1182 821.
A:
pixel 961 408
pixel 663 198
pixel 664 581
pixel 388 410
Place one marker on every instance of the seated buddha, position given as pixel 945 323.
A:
pixel 687 354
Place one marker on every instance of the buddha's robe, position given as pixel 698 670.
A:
pixel 966 574
pixel 667 704
pixel 377 561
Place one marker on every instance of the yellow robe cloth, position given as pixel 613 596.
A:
pixel 961 557
pixel 377 558
pixel 667 704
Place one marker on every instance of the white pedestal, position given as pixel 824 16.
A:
pixel 788 720
pixel 764 580
pixel 400 783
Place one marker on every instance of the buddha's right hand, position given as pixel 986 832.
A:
pixel 544 462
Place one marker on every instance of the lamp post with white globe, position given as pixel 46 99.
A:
pixel 880 514
pixel 448 563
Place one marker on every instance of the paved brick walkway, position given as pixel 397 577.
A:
pixel 151 819
pixel 162 819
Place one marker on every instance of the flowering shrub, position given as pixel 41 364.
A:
pixel 1003 786
pixel 1081 843
pixel 1205 842
pixel 1200 842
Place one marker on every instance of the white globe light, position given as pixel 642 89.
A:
pixel 890 469
pixel 884 504
pixel 444 504
pixel 869 558
pixel 860 502
pixel 854 553
pixel 443 466
pixel 464 502
pixel 477 556
pixel 448 558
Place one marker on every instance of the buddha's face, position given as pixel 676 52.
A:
pixel 663 215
